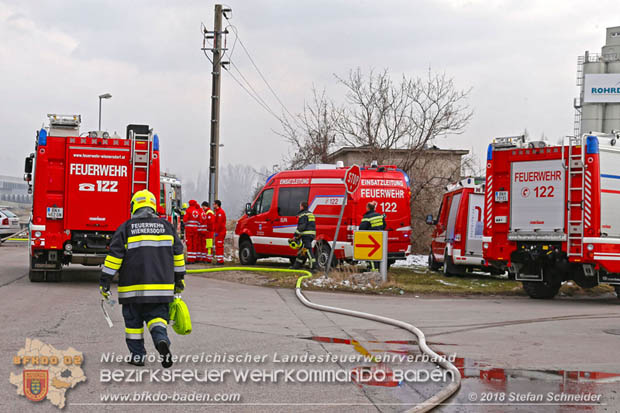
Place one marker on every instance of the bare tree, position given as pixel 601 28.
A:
pixel 383 115
pixel 313 132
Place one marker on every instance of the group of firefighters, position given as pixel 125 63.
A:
pixel 148 255
pixel 203 228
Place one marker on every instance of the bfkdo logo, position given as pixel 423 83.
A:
pixel 47 373
pixel 35 384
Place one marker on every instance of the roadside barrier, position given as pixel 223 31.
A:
pixel 430 403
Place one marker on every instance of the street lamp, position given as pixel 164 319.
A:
pixel 104 96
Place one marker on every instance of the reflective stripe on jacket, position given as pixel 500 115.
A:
pixel 372 220
pixel 306 224
pixel 148 255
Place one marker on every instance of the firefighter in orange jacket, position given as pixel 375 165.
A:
pixel 208 220
pixel 192 220
pixel 220 231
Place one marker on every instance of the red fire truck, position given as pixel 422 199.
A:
pixel 551 212
pixel 170 199
pixel 271 219
pixel 83 184
pixel 457 238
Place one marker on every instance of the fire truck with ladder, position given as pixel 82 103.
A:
pixel 551 212
pixel 82 186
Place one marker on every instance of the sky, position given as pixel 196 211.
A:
pixel 518 57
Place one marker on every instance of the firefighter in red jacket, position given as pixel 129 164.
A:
pixel 202 233
pixel 192 220
pixel 209 224
pixel 148 256
pixel 220 231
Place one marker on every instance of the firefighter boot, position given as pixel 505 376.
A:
pixel 163 348
pixel 297 265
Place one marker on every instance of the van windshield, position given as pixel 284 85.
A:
pixel 263 203
pixel 289 200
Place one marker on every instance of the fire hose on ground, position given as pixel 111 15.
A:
pixel 442 361
pixel 15 237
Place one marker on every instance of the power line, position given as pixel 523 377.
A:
pixel 234 29
pixel 257 99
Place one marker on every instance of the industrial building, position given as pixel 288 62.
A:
pixel 597 109
pixel 13 189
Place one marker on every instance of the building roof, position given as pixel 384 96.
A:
pixel 365 149
pixel 6 178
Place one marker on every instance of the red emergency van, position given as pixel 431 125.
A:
pixel 82 186
pixel 271 219
pixel 457 237
pixel 551 212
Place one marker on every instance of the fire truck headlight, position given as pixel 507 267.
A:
pixel 486 245
pixel 590 247
pixel 37 234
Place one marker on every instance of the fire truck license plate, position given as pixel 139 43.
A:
pixel 501 196
pixel 54 213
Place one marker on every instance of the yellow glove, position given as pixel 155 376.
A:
pixel 105 292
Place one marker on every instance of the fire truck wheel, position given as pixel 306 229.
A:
pixel 432 263
pixel 53 276
pixel 322 255
pixel 247 255
pixel 448 266
pixel 542 289
pixel 36 276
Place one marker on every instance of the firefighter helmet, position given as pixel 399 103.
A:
pixel 294 243
pixel 143 199
pixel 184 205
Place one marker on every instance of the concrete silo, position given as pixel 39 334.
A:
pixel 597 109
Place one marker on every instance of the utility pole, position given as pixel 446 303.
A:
pixel 215 106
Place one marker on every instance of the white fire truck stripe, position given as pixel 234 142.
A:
pixel 598 257
pixel 601 240
pixel 587 205
pixel 316 181
pixel 489 201
pixel 98 148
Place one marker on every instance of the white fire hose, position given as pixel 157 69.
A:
pixel 430 403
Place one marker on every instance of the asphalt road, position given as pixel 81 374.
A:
pixel 513 347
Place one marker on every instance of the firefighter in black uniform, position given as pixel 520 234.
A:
pixel 148 255
pixel 305 232
pixel 372 221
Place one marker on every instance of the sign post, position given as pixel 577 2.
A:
pixel 371 246
pixel 352 179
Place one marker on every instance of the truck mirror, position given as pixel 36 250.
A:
pixel 429 220
pixel 28 177
pixel 28 165
pixel 248 209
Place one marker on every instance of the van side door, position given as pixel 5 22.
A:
pixel 262 222
pixel 285 223
pixel 440 233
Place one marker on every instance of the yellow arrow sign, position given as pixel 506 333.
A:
pixel 368 245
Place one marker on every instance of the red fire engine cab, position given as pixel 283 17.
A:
pixel 551 212
pixel 82 185
pixel 271 219
pixel 457 238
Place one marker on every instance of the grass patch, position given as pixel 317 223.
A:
pixel 401 280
